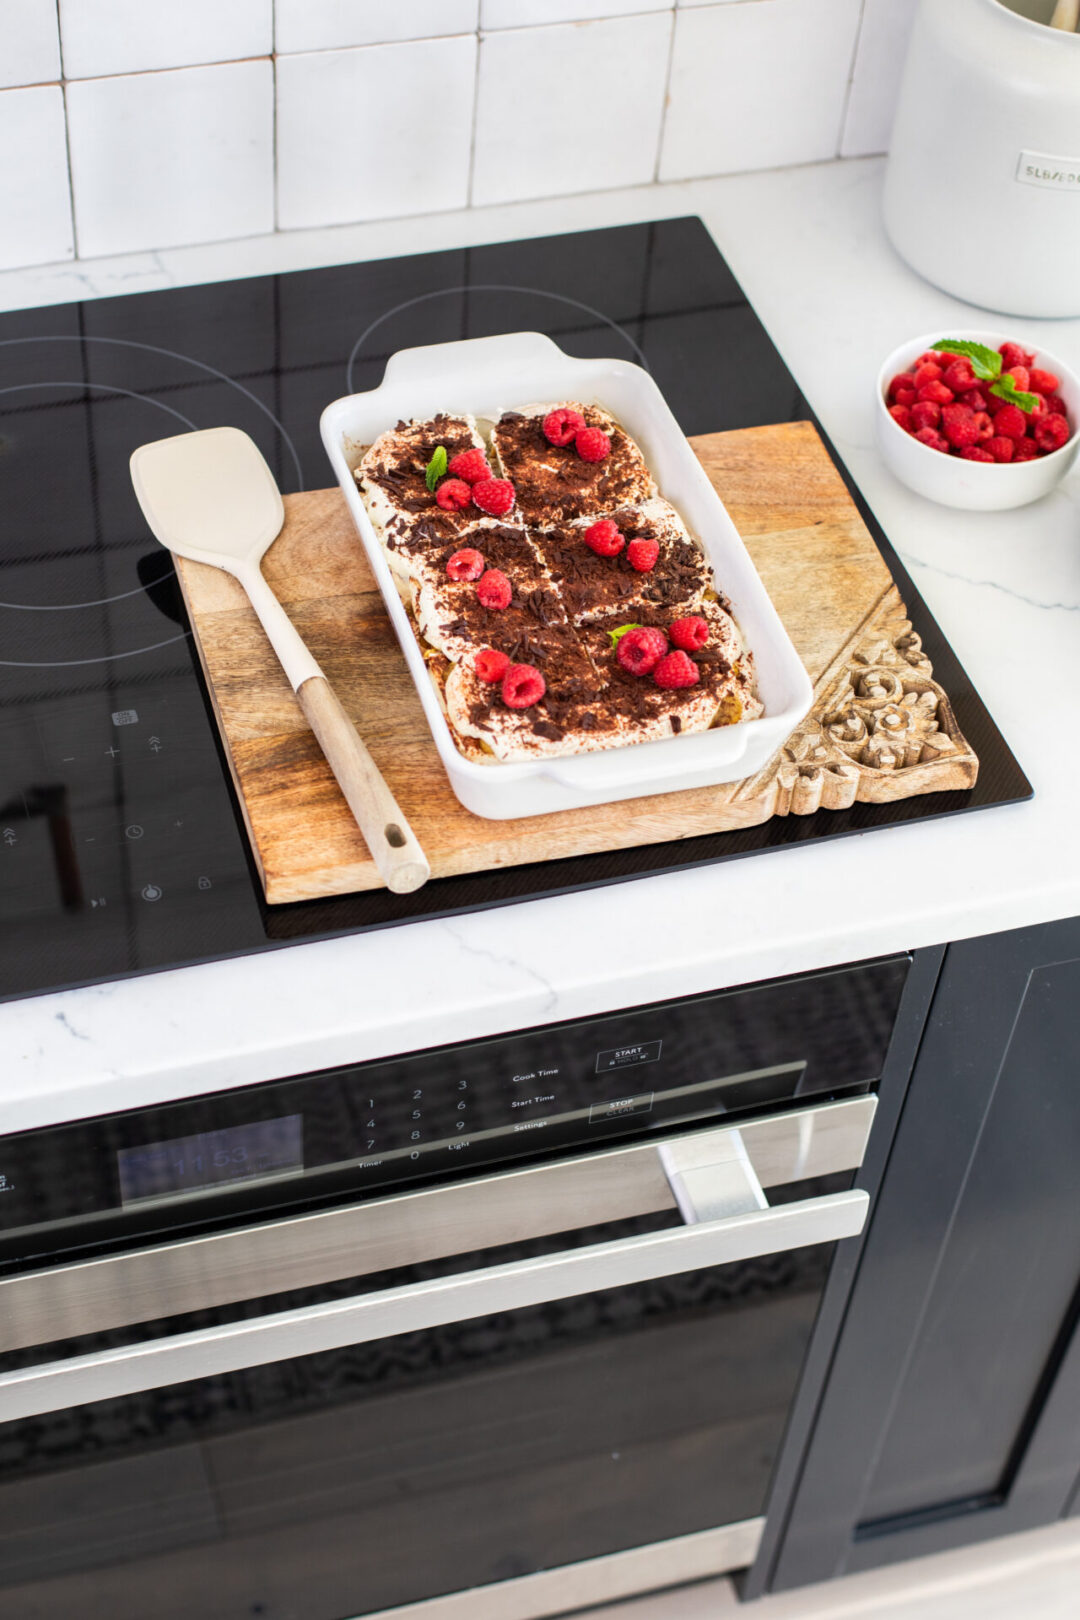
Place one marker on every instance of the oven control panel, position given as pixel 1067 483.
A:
pixel 452 1110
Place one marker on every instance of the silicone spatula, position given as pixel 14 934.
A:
pixel 209 496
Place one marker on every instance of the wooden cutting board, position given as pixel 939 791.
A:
pixel 880 728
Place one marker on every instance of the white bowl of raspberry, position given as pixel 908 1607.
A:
pixel 975 420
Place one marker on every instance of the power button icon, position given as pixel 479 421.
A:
pixel 151 892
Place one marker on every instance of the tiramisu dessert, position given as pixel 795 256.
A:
pixel 561 603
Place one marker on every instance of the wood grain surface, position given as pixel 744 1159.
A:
pixel 880 728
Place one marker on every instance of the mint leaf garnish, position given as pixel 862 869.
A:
pixel 985 363
pixel 436 468
pixel 617 635
pixel 1007 390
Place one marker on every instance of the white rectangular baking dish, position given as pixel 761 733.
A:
pixel 483 377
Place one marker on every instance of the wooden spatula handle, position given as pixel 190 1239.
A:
pixel 392 842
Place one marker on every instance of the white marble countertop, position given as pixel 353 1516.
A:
pixel 808 245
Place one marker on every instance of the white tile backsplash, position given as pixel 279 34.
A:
pixel 132 36
pixel 35 202
pixel 572 107
pixel 529 13
pixel 387 108
pixel 161 159
pixel 29 42
pixel 757 85
pixel 875 86
pixel 322 25
pixel 374 132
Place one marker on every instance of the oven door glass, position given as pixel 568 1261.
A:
pixel 392 1439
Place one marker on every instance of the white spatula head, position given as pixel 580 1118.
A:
pixel 209 495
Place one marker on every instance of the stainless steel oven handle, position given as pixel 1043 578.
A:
pixel 209 1352
pixel 204 1271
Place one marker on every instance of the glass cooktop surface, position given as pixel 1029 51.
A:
pixel 121 844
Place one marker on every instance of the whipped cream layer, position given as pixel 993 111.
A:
pixel 567 720
pixel 647 711
pixel 593 586
pixel 554 483
pixel 392 474
pixel 565 599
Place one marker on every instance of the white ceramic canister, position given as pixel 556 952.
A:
pixel 982 190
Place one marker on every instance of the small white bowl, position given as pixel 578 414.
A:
pixel 977 486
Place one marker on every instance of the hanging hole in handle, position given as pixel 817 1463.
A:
pixel 394 835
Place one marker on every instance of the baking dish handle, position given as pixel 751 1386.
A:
pixel 631 767
pixel 496 356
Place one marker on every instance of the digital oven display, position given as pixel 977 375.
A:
pixel 211 1160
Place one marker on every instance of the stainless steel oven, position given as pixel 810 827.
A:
pixel 500 1330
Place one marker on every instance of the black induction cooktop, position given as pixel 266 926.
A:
pixel 121 844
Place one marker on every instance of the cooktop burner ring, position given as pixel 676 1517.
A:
pixel 103 601
pixel 170 354
pixel 489 286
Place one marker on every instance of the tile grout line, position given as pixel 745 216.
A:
pixel 274 131
pixel 67 135
pixel 850 86
pixel 666 101
pixel 475 116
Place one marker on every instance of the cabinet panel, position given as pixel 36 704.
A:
pixel 994 1313
pixel 952 1408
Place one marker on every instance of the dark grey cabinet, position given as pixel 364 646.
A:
pixel 950 1411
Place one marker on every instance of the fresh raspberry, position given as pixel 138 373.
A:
pixel 1051 433
pixel 466 564
pixel 958 426
pixel 902 380
pixel 928 373
pixel 976 398
pixel 471 465
pixel 1001 448
pixel 902 415
pixel 642 555
pixel 522 686
pixel 604 538
pixel 936 391
pixel 493 589
pixel 959 376
pixel 1026 450
pixel 1020 377
pixel 906 396
pixel 931 357
pixel 983 425
pixel 560 426
pixel 1013 355
pixel 933 440
pixel 1043 382
pixel 994 403
pixel 490 665
pixel 495 496
pixel 690 633
pixel 1010 421
pixel 639 651
pixel 453 494
pixel 924 413
pixel 975 452
pixel 677 669
pixel 1038 410
pixel 592 444
pixel 1055 404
